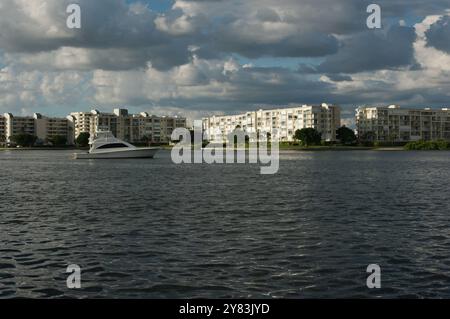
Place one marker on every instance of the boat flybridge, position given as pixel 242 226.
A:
pixel 105 146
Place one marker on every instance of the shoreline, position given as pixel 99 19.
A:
pixel 340 148
pixel 282 148
pixel 43 149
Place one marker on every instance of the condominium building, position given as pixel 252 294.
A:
pixel 44 128
pixel 284 122
pixel 395 124
pixel 50 127
pixel 19 125
pixel 169 124
pixel 2 129
pixel 80 122
pixel 133 128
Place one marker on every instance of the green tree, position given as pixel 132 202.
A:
pixel 238 130
pixel 146 139
pixel 58 140
pixel 24 140
pixel 308 136
pixel 83 139
pixel 345 135
pixel 368 137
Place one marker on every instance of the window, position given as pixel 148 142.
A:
pixel 113 145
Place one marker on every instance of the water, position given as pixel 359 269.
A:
pixel 151 229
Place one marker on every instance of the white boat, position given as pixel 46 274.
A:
pixel 105 146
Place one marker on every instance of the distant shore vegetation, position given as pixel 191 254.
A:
pixel 439 145
pixel 28 141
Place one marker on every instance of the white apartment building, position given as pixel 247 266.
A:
pixel 19 125
pixel 395 124
pixel 2 129
pixel 44 128
pixel 80 122
pixel 50 127
pixel 133 128
pixel 324 118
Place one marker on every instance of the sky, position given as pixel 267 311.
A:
pixel 202 57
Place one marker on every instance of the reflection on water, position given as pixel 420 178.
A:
pixel 149 228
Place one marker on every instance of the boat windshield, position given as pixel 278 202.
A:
pixel 100 135
pixel 112 145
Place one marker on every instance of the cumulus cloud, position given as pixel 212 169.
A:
pixel 114 35
pixel 221 56
pixel 25 90
pixel 208 85
pixel 424 86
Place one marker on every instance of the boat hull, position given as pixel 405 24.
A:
pixel 118 154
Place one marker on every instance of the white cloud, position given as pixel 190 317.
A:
pixel 421 86
pixel 428 56
pixel 189 58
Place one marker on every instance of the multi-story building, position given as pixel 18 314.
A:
pixel 395 124
pixel 148 128
pixel 169 124
pixel 80 122
pixel 2 129
pixel 134 128
pixel 44 128
pixel 324 118
pixel 49 127
pixel 19 125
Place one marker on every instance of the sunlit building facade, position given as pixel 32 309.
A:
pixel 134 128
pixel 395 124
pixel 2 129
pixel 281 123
pixel 44 128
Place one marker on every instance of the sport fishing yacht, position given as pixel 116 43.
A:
pixel 105 146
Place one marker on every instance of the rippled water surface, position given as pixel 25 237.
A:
pixel 151 229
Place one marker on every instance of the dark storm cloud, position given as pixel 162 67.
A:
pixel 438 36
pixel 399 8
pixel 117 35
pixel 277 86
pixel 105 24
pixel 370 51
pixel 300 45
pixel 250 28
pixel 283 28
pixel 292 28
pixel 182 57
pixel 339 77
pixel 133 35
